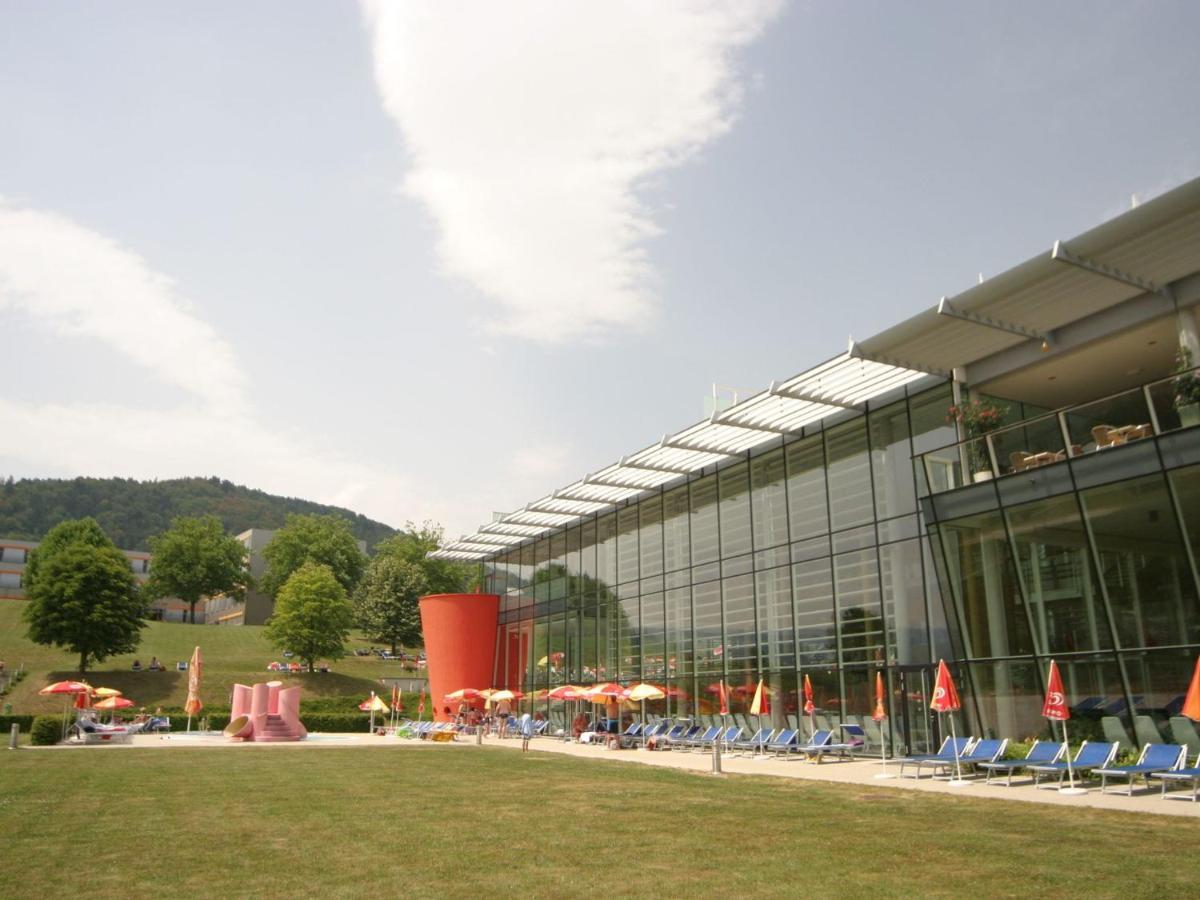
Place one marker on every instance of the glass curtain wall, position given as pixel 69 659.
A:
pixel 807 558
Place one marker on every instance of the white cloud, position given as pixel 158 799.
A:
pixel 80 283
pixel 73 281
pixel 532 125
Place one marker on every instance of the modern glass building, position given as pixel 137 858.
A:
pixel 842 523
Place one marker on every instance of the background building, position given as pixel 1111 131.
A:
pixel 841 523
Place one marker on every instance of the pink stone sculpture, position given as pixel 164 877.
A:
pixel 265 712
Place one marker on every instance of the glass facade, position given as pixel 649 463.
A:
pixel 856 547
pixel 806 557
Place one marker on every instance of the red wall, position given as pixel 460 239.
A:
pixel 460 644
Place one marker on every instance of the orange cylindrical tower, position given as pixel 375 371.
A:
pixel 460 644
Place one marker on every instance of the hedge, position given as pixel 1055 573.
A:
pixel 23 722
pixel 323 722
pixel 46 730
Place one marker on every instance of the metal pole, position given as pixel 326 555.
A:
pixel 1070 769
pixel 957 781
pixel 13 736
pixel 716 758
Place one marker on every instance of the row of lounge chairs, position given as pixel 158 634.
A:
pixel 779 742
pixel 1047 759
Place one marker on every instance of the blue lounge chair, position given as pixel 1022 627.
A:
pixel 1092 755
pixel 674 733
pixel 951 748
pixel 1181 776
pixel 821 739
pixel 732 733
pixel 689 733
pixel 1154 758
pixel 755 742
pixel 706 737
pixel 1040 753
pixel 986 750
pixel 854 735
pixel 649 731
pixel 783 742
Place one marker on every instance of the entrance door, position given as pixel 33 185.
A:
pixel 917 726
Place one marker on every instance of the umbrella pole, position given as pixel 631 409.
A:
pixel 884 773
pixel 1070 769
pixel 958 779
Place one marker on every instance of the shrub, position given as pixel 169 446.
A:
pixel 23 722
pixel 46 730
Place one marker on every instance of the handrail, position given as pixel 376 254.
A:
pixel 982 449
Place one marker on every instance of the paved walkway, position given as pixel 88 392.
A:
pixel 860 772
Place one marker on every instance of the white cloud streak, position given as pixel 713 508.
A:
pixel 531 126
pixel 79 283
pixel 72 281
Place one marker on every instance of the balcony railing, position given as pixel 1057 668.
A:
pixel 1092 427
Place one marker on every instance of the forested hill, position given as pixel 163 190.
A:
pixel 132 511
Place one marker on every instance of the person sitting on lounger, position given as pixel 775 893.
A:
pixel 155 665
pixel 137 665
pixel 579 726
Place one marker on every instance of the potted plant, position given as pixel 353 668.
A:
pixel 977 418
pixel 1187 390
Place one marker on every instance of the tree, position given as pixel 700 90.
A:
pixel 85 599
pixel 196 559
pixel 327 540
pixel 413 543
pixel 312 616
pixel 386 601
pixel 72 531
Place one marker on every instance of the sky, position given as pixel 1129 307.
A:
pixel 431 261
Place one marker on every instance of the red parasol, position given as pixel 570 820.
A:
pixel 1191 703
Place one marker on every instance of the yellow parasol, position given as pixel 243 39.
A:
pixel 104 693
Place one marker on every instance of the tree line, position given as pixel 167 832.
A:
pixel 83 597
pixel 131 512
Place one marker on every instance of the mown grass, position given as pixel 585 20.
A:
pixel 465 820
pixel 231 654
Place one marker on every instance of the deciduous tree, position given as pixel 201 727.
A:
pixel 327 540
pixel 386 601
pixel 312 616
pixel 84 597
pixel 196 559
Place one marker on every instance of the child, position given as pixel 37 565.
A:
pixel 526 732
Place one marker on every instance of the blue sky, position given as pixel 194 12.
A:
pixel 435 260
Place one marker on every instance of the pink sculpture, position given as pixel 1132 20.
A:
pixel 265 712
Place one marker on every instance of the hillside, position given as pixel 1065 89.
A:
pixel 131 511
pixel 238 654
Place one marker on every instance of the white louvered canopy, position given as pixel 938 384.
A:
pixel 843 382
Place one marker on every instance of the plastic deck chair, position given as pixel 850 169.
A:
pixel 1154 758
pixel 1041 753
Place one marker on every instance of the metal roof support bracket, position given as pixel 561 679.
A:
pixel 1062 254
pixel 946 309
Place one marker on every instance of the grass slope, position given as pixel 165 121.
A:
pixel 468 821
pixel 231 654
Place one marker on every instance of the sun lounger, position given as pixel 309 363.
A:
pixel 1040 753
pixel 951 749
pixel 1154 758
pixel 731 734
pixel 706 737
pixel 986 750
pixel 1183 730
pixel 755 742
pixel 1146 731
pixel 1181 776
pixel 1091 755
pixel 820 739
pixel 1115 732
pixel 690 732
pixel 784 741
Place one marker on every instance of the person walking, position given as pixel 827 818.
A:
pixel 526 732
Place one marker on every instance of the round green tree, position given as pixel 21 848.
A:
pixel 320 539
pixel 196 559
pixel 84 598
pixel 386 601
pixel 312 616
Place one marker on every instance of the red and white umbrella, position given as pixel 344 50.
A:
pixel 67 688
pixel 945 700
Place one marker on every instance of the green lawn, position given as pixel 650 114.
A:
pixel 231 654
pixel 436 820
